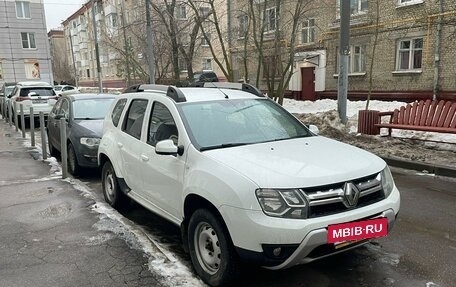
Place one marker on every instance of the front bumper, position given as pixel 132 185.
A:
pixel 87 156
pixel 252 230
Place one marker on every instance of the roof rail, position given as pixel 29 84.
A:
pixel 234 86
pixel 145 87
pixel 176 94
pixel 152 87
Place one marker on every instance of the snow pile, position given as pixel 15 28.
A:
pixel 436 148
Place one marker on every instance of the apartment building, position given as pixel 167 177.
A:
pixel 81 48
pixel 24 48
pixel 122 42
pixel 413 41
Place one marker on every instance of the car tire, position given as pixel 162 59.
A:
pixel 111 191
pixel 52 151
pixel 211 249
pixel 73 166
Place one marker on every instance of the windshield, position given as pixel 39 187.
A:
pixel 58 88
pixel 226 123
pixel 91 109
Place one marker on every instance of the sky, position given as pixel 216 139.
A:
pixel 59 10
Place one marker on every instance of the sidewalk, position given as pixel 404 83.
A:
pixel 47 232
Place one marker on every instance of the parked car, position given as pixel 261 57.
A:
pixel 242 177
pixel 59 89
pixel 84 114
pixel 200 78
pixel 38 95
pixel 5 92
pixel 6 89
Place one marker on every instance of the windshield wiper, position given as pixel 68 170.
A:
pixel 222 146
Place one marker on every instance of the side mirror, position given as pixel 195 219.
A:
pixel 314 129
pixel 167 147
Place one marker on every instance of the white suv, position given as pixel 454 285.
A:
pixel 39 95
pixel 243 178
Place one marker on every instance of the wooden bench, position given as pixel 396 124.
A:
pixel 429 116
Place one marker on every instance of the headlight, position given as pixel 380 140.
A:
pixel 387 181
pixel 285 203
pixel 90 142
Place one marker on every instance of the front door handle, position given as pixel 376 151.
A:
pixel 120 145
pixel 144 158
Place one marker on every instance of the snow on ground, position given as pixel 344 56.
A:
pixel 161 260
pixel 436 148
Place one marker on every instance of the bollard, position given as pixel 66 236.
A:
pixel 43 136
pixel 32 127
pixel 22 120
pixel 15 116
pixel 10 112
pixel 63 148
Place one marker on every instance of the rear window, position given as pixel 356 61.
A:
pixel 40 92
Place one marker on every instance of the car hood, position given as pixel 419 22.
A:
pixel 298 163
pixel 89 127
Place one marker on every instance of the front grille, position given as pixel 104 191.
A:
pixel 330 199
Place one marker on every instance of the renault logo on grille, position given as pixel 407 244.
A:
pixel 351 194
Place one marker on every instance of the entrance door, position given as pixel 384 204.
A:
pixel 308 84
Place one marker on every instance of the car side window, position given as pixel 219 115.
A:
pixel 161 125
pixel 56 108
pixel 117 111
pixel 65 109
pixel 134 118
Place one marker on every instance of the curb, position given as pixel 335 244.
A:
pixel 420 166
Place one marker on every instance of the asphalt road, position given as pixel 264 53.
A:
pixel 420 250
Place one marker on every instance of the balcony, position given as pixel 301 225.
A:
pixel 110 9
pixel 99 17
pixel 81 28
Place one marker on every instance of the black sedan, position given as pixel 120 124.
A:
pixel 84 115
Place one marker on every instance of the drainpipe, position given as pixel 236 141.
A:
pixel 438 37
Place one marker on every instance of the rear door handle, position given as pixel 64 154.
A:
pixel 144 158
pixel 120 145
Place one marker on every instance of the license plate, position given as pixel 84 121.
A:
pixel 358 230
pixel 39 101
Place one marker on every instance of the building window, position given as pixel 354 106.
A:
pixel 181 12
pixel 308 31
pixel 409 2
pixel 204 12
pixel 23 10
pixel 270 20
pixel 207 64
pixel 112 18
pixel 28 40
pixel 88 73
pixel 409 54
pixel 182 65
pixel 32 69
pixel 204 41
pixel 356 59
pixel 243 25
pixel 272 67
pixel 356 7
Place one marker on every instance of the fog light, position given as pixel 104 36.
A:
pixel 277 251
